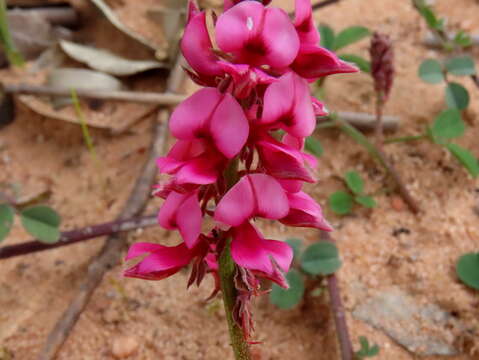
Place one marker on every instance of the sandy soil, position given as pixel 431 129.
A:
pixel 166 321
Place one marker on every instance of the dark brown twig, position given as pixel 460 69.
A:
pixel 74 236
pixel 111 252
pixel 166 98
pixel 337 309
pixel 324 3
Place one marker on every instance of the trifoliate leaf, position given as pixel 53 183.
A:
pixel 42 222
pixel 321 258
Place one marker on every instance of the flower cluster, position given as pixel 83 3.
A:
pixel 238 154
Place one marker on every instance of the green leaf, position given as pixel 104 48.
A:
pixel 430 71
pixel 366 201
pixel 350 35
pixel 296 244
pixel 457 96
pixel 341 202
pixel 462 39
pixel 321 258
pixel 461 66
pixel 6 220
pixel 313 146
pixel 42 222
pixel 360 62
pixel 13 55
pixel 465 157
pixel 327 36
pixel 366 350
pixel 428 15
pixel 447 125
pixel 354 182
pixel 288 298
pixel 467 269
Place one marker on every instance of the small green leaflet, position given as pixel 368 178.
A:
pixel 461 66
pixel 430 71
pixel 366 350
pixel 361 63
pixel 457 96
pixel 341 202
pixel 350 35
pixel 42 222
pixel 447 125
pixel 288 298
pixel 467 269
pixel 321 258
pixel 327 36
pixel 465 157
pixel 296 244
pixel 366 201
pixel 313 146
pixel 354 182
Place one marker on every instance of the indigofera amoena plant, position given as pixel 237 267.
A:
pixel 238 154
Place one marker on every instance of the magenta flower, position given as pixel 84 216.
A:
pixel 269 258
pixel 221 120
pixel 254 195
pixel 305 212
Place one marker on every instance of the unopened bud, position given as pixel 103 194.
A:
pixel 382 64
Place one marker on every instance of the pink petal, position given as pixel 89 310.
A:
pixel 182 212
pixel 280 38
pixel 229 127
pixel 237 205
pixel 313 62
pixel 197 48
pixel 161 262
pixel 319 108
pixel 256 35
pixel 201 171
pixel 254 195
pixel 287 103
pixel 250 250
pixel 190 118
pixel 304 24
pixel 188 219
pixel 291 186
pixel 305 212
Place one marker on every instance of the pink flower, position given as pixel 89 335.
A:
pixel 282 160
pixel 305 212
pixel 287 105
pixel 254 195
pixel 196 45
pixel 314 62
pixel 221 120
pixel 182 212
pixel 269 258
pixel 192 162
pixel 257 36
pixel 304 24
pixel 161 261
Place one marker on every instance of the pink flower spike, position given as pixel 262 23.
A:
pixel 257 36
pixel 319 108
pixel 182 212
pixel 298 143
pixel 210 114
pixel 161 262
pixel 314 62
pixel 304 24
pixel 196 45
pixel 287 104
pixel 254 195
pixel 268 257
pixel 305 212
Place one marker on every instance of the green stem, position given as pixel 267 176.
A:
pixel 227 270
pixel 405 138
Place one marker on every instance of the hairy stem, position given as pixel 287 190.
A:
pixel 379 119
pixel 227 271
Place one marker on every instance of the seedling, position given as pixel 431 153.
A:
pixel 366 351
pixel 342 202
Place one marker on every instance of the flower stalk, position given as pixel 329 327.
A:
pixel 227 270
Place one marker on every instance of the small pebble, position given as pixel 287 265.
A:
pixel 124 346
pixel 397 203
